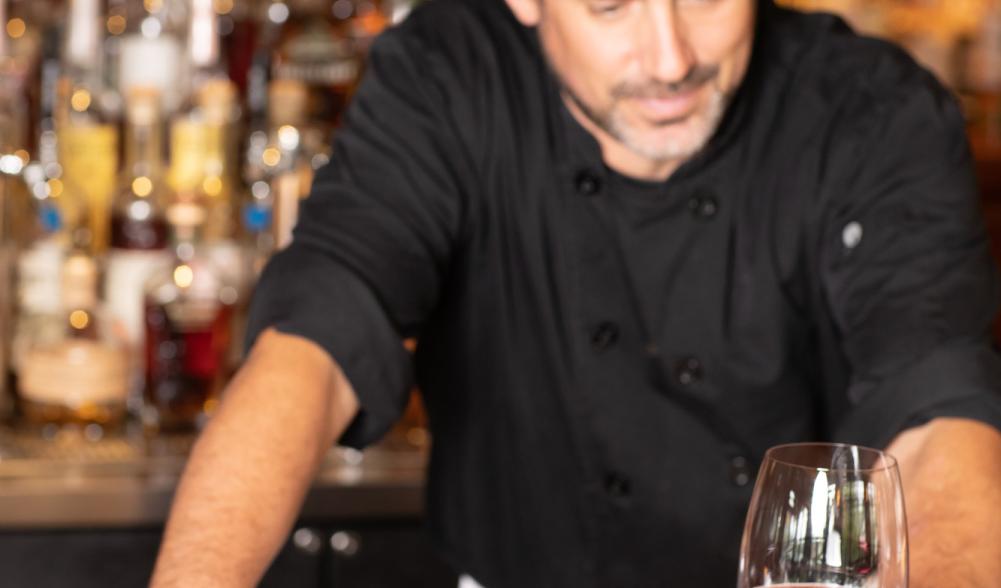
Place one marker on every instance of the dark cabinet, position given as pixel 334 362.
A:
pixel 385 556
pixel 366 554
pixel 32 559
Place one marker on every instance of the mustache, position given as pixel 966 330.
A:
pixel 655 90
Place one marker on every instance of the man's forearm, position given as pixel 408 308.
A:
pixel 253 464
pixel 951 470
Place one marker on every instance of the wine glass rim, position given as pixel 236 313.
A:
pixel 889 462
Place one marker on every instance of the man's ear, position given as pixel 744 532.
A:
pixel 526 11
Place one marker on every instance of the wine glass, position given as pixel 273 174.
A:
pixel 825 515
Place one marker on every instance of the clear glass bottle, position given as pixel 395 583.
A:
pixel 203 136
pixel 315 47
pixel 81 376
pixel 286 160
pixel 38 291
pixel 138 224
pixel 87 136
pixel 188 319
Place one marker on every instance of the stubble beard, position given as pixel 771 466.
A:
pixel 648 144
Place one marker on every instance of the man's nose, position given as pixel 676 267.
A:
pixel 666 53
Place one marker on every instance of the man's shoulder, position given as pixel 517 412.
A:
pixel 821 55
pixel 847 83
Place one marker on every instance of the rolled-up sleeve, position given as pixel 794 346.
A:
pixel 374 237
pixel 908 277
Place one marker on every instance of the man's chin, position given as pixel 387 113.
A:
pixel 662 143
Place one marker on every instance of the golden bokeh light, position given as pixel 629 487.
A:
pixel 117 24
pixel 23 155
pixel 16 28
pixel 271 157
pixel 142 186
pixel 56 187
pixel 223 6
pixel 212 186
pixel 184 276
pixel 79 319
pixel 80 100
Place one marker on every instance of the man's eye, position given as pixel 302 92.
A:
pixel 607 7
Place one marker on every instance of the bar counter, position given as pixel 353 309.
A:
pixel 90 513
pixel 69 482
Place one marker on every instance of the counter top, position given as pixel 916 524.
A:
pixel 65 481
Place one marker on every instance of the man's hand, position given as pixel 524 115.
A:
pixel 248 474
pixel 951 470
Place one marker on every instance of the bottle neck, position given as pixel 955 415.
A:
pixel 83 38
pixel 144 149
pixel 203 41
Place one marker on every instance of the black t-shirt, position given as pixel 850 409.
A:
pixel 603 376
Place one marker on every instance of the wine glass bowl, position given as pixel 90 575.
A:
pixel 825 515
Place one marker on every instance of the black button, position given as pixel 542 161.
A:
pixel 604 335
pixel 740 471
pixel 704 206
pixel 617 486
pixel 587 183
pixel 688 370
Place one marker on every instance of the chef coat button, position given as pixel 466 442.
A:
pixel 604 335
pixel 587 183
pixel 740 471
pixel 851 235
pixel 688 370
pixel 617 486
pixel 703 205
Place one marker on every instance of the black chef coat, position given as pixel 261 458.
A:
pixel 604 370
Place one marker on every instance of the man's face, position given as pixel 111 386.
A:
pixel 653 76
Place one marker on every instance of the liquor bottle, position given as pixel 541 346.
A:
pixel 188 320
pixel 286 161
pixel 138 224
pixel 87 138
pixel 315 47
pixel 81 376
pixel 37 309
pixel 202 136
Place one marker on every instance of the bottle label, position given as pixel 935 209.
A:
pixel 125 279
pixel 89 157
pixel 39 279
pixel 189 148
pixel 74 373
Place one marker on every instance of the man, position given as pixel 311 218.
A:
pixel 640 242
